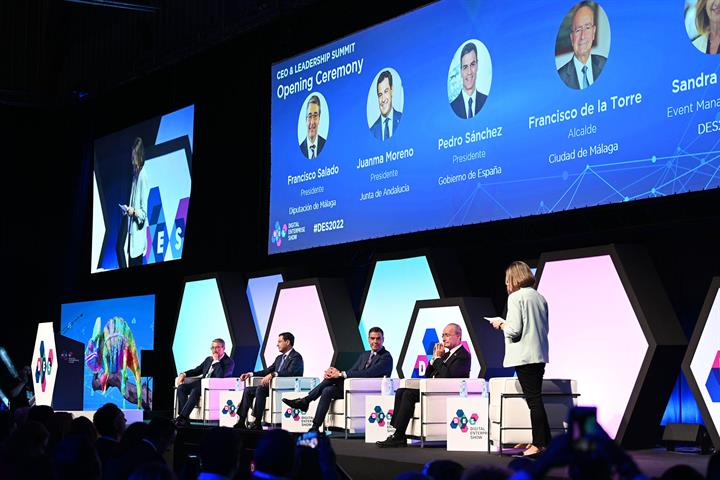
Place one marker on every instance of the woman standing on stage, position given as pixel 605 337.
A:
pixel 526 346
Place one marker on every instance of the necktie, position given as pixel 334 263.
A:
pixel 312 155
pixel 586 83
pixel 387 129
pixel 282 361
pixel 369 360
pixel 470 109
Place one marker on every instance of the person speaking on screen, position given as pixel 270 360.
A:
pixel 136 210
pixel 584 67
pixel 526 346
pixel 389 119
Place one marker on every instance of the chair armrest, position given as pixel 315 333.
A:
pixel 227 383
pixel 288 383
pixel 188 380
pixel 451 385
pixel 253 381
pixel 369 385
pixel 410 383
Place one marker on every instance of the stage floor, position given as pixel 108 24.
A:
pixel 362 460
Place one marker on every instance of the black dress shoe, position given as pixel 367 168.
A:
pixel 255 426
pixel 240 424
pixel 392 442
pixel 299 403
pixel 182 421
pixel 314 429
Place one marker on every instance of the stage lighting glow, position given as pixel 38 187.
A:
pixel 394 288
pixel 201 319
pixel 298 310
pixel 595 336
pixel 705 364
pixel 261 294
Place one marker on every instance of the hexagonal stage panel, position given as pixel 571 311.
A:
pixel 394 287
pixel 318 313
pixel 702 362
pixel 202 318
pixel 44 364
pixel 429 317
pixel 613 329
pixel 261 294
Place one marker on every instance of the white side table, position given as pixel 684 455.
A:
pixel 378 413
pixel 228 405
pixel 467 424
pixel 294 420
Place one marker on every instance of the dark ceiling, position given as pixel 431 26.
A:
pixel 55 50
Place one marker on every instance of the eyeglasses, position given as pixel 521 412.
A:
pixel 587 27
pixel 216 347
pixel 313 116
pixel 447 335
pixel 469 65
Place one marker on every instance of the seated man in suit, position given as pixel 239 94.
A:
pixel 389 119
pixel 313 143
pixel 469 102
pixel 377 362
pixel 453 363
pixel 583 68
pixel 217 365
pixel 288 364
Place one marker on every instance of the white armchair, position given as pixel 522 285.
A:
pixel 208 404
pixel 348 413
pixel 429 417
pixel 279 385
pixel 510 415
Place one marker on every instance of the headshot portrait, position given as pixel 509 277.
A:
pixel 702 22
pixel 469 78
pixel 313 125
pixel 385 104
pixel 583 45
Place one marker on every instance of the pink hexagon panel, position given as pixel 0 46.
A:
pixel 610 323
pixel 318 313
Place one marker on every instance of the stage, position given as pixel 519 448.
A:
pixel 362 460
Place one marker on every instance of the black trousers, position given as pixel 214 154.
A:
pixel 531 378
pixel 326 391
pixel 188 395
pixel 259 394
pixel 405 400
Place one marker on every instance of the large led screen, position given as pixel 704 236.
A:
pixel 114 332
pixel 141 192
pixel 472 111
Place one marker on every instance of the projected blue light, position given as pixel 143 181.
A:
pixel 394 288
pixel 261 294
pixel 201 319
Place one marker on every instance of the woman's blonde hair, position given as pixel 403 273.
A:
pixel 519 275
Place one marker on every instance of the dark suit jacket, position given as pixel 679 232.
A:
pixel 225 369
pixel 293 366
pixel 381 365
pixel 320 145
pixel 377 127
pixel 460 109
pixel 456 366
pixel 568 74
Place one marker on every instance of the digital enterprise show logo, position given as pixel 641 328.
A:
pixel 301 416
pixel 380 417
pixel 293 413
pixel 279 233
pixel 713 382
pixel 463 422
pixel 43 367
pixel 430 338
pixel 229 408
